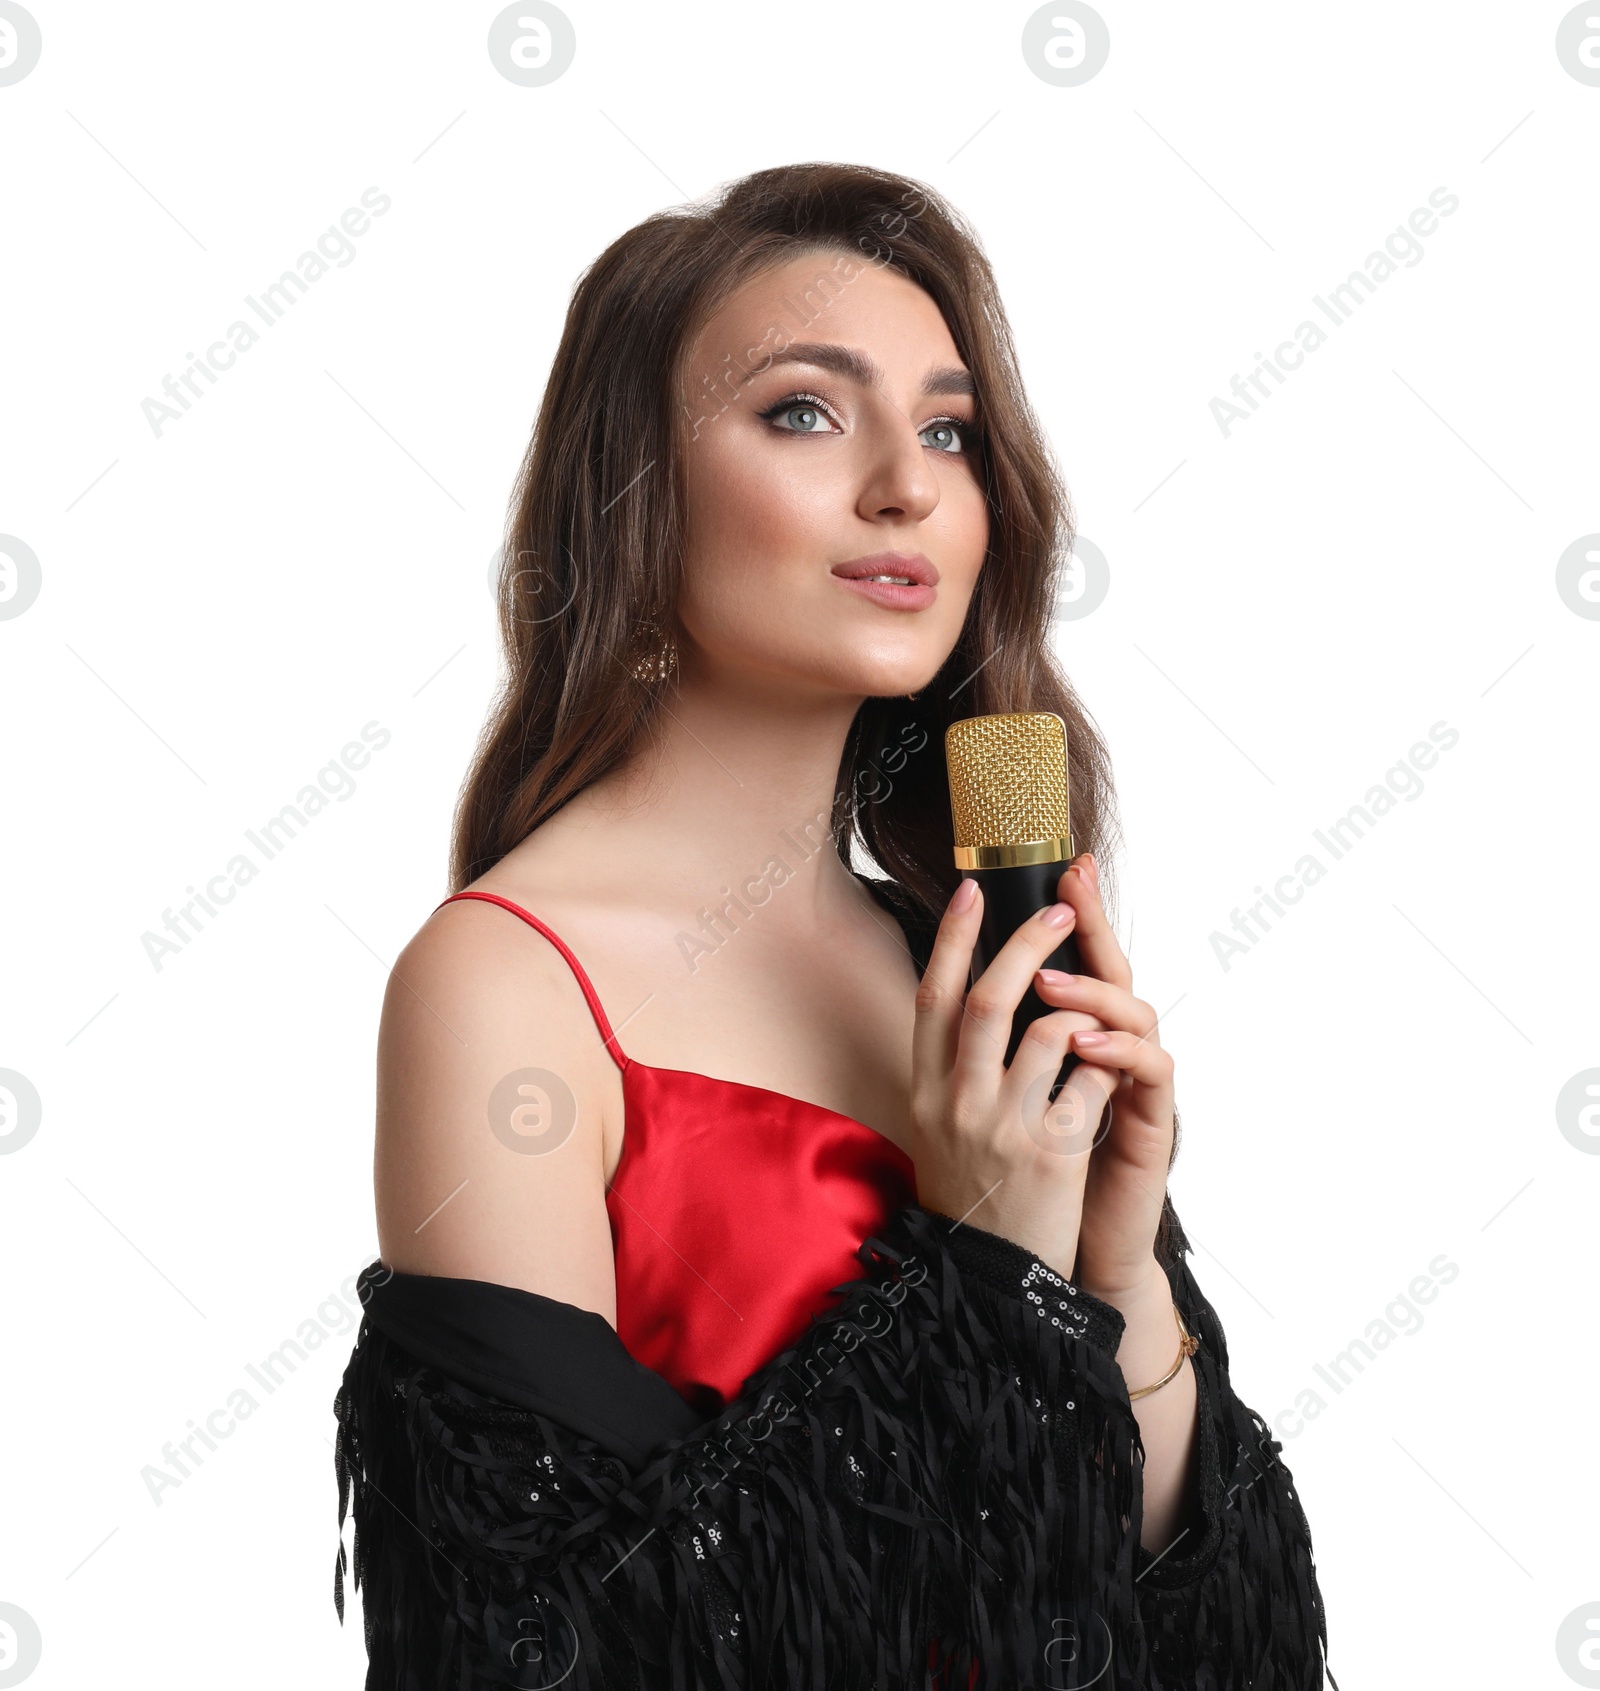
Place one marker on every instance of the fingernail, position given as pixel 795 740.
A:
pixel 1057 916
pixel 1054 977
pixel 964 895
pixel 1088 1039
pixel 1094 868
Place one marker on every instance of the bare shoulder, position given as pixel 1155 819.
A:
pixel 490 1146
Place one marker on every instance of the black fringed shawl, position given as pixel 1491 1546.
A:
pixel 937 1487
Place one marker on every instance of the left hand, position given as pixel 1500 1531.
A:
pixel 1127 1179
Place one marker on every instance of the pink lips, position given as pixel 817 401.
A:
pixel 913 592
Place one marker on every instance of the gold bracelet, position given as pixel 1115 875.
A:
pixel 1188 1347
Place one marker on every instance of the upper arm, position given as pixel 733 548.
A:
pixel 483 1169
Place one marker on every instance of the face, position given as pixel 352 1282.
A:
pixel 815 457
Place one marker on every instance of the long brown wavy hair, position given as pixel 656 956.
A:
pixel 593 554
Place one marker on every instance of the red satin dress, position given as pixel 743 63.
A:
pixel 734 1212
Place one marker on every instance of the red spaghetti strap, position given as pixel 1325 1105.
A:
pixel 572 962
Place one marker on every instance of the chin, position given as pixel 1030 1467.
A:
pixel 877 674
pixel 875 664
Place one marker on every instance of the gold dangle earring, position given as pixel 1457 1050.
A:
pixel 660 659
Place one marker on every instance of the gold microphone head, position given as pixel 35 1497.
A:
pixel 1008 789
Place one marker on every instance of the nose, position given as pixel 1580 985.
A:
pixel 898 483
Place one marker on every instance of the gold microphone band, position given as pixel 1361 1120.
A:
pixel 1014 855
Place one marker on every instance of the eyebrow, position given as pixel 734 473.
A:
pixel 856 366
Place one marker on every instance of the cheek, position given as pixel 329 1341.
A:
pixel 963 521
pixel 742 524
pixel 737 504
pixel 755 532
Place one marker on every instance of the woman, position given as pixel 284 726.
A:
pixel 742 1318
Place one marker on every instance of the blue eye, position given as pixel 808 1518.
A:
pixel 947 436
pixel 809 414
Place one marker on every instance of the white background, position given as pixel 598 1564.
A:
pixel 1291 606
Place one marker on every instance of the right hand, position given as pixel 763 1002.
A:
pixel 981 1143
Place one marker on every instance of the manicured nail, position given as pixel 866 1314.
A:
pixel 1057 916
pixel 964 895
pixel 1054 977
pixel 1094 868
pixel 1088 1039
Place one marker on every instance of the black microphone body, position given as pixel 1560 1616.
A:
pixel 1010 897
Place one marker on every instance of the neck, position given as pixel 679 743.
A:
pixel 736 776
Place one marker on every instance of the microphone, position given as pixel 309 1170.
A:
pixel 1013 836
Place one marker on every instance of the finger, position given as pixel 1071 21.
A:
pixel 1040 1053
pixel 986 1026
pixel 1068 1124
pixel 1115 1006
pixel 1146 1064
pixel 943 989
pixel 1098 945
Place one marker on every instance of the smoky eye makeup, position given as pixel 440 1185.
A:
pixel 809 405
pixel 811 412
pixel 968 433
